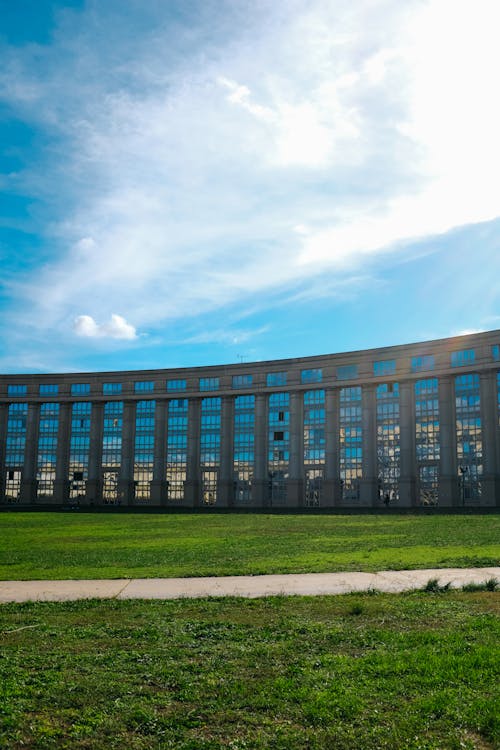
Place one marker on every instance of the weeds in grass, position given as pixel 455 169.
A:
pixel 434 587
pixel 490 585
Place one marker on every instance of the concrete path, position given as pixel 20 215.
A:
pixel 303 584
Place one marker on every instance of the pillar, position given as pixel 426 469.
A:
pixel 4 414
pixel 61 484
pixel 28 480
pixel 295 488
pixel 94 482
pixel 159 489
pixel 407 461
pixel 490 484
pixel 369 483
pixel 192 490
pixel 225 490
pixel 332 489
pixel 260 486
pixel 449 491
pixel 126 486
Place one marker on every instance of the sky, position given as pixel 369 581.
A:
pixel 197 182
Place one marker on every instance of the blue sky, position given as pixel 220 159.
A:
pixel 191 182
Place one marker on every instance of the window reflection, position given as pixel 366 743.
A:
pixel 144 449
pixel 351 451
pixel 210 435
pixel 278 447
pixel 79 449
pixel 177 445
pixel 314 446
pixel 243 453
pixel 469 437
pixel 388 442
pixel 427 439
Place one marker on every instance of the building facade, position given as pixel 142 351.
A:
pixel 403 426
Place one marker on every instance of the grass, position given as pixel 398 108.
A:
pixel 72 545
pixel 418 671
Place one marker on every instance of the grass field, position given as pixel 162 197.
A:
pixel 72 545
pixel 358 672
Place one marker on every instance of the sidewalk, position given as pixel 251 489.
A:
pixel 302 584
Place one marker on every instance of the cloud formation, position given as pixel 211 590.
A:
pixel 116 328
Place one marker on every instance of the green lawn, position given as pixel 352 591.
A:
pixel 358 672
pixel 73 545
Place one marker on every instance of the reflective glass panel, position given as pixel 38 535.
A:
pixel 243 452
pixel 469 437
pixel 388 442
pixel 177 443
pixel 427 440
pixel 347 372
pixel 351 450
pixel 47 450
pixel 278 446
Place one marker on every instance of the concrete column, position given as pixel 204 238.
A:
pixel 332 490
pixel 4 413
pixel 225 493
pixel 61 484
pixel 159 490
pixel 28 480
pixel 295 489
pixel 126 486
pixel 408 463
pixel 369 481
pixel 489 422
pixel 449 490
pixel 94 483
pixel 260 491
pixel 192 490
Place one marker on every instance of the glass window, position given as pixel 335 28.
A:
pixel 111 388
pixel 14 451
pixel 278 447
pixel 209 384
pixel 276 378
pixel 47 450
pixel 177 443
pixel 351 443
pixel 243 450
pixel 427 442
pixel 469 436
pixel 79 449
pixel 210 441
pixel 388 449
pixel 80 388
pixel 462 358
pixel 48 389
pixel 422 363
pixel 242 381
pixel 384 367
pixel 176 385
pixel 144 386
pixel 346 372
pixel 17 390
pixel 495 352
pixel 144 450
pixel 311 376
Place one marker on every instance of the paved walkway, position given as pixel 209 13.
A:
pixel 304 584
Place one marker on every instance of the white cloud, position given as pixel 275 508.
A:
pixel 116 328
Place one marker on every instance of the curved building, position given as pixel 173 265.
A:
pixel 400 426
